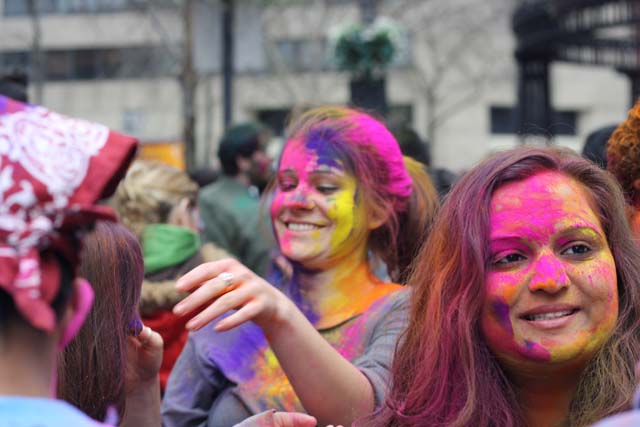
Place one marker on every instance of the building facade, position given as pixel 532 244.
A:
pixel 118 62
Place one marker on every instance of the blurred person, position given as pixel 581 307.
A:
pixel 321 339
pixel 158 203
pixel 203 176
pixel 526 303
pixel 595 147
pixel 114 360
pixel 413 146
pixel 230 207
pixel 623 161
pixel 53 171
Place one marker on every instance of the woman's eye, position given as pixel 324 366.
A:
pixel 509 258
pixel 327 189
pixel 578 249
pixel 286 185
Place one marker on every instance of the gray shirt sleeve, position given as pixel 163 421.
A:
pixel 391 321
pixel 191 390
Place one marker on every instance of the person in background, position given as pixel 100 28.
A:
pixel 158 203
pixel 623 161
pixel 413 146
pixel 526 304
pixel 112 365
pixel 595 147
pixel 53 171
pixel 230 207
pixel 322 338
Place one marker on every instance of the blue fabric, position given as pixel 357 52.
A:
pixel 39 412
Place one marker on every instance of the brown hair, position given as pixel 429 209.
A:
pixel 91 368
pixel 443 373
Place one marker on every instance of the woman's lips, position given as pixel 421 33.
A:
pixel 550 316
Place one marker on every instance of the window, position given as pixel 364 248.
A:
pixel 275 119
pixel 302 54
pixel 14 61
pixel 58 65
pixel 20 7
pixel 88 64
pixel 503 121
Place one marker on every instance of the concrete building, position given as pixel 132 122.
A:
pixel 117 61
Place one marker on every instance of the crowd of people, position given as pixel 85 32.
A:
pixel 354 287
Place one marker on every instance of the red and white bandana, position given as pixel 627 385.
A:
pixel 53 170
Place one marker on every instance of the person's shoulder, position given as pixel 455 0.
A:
pixel 41 412
pixel 625 419
pixel 396 300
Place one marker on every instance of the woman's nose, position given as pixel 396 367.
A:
pixel 299 199
pixel 549 275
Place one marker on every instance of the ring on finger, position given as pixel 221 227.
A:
pixel 227 278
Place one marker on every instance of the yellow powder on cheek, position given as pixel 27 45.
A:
pixel 342 213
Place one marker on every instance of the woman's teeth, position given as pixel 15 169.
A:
pixel 548 316
pixel 301 227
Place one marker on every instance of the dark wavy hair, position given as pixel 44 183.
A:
pixel 444 374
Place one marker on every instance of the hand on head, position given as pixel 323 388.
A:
pixel 219 286
pixel 144 357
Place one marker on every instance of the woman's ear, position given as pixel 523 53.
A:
pixel 376 216
pixel 76 312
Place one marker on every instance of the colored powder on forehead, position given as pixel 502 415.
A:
pixel 321 141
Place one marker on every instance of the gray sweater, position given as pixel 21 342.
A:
pixel 223 378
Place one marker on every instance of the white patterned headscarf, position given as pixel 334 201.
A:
pixel 53 170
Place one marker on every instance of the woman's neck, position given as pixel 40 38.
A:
pixel 545 398
pixel 338 293
pixel 27 369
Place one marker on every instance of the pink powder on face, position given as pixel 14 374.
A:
pixel 547 247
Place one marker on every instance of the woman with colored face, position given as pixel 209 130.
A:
pixel 526 303
pixel 319 340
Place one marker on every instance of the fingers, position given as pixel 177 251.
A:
pixel 293 419
pixel 246 313
pixel 205 293
pixel 205 272
pixel 149 338
pixel 221 305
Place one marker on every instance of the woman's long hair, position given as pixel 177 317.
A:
pixel 444 373
pixel 91 369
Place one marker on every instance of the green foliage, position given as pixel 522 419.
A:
pixel 366 51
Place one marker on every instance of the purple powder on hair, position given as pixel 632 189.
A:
pixel 319 141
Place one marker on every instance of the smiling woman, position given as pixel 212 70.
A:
pixel 321 340
pixel 526 309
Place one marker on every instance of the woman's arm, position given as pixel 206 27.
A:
pixel 330 388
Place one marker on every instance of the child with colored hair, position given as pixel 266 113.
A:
pixel 526 304
pixel 320 340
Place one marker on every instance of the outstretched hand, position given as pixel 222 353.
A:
pixel 220 286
